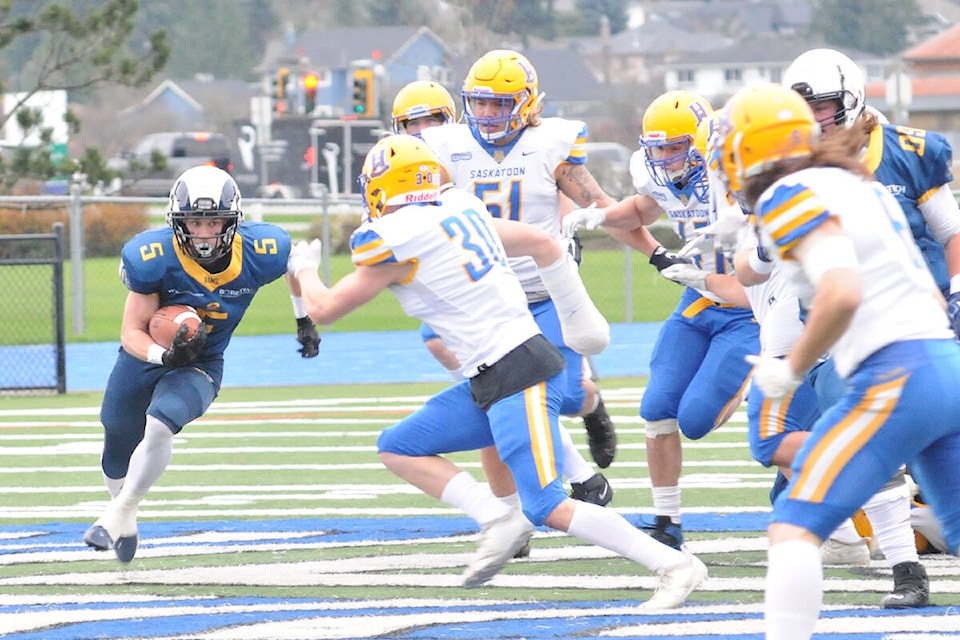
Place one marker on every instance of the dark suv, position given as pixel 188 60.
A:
pixel 182 150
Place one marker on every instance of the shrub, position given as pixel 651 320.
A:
pixel 107 226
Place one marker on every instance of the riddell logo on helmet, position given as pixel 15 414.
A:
pixel 422 196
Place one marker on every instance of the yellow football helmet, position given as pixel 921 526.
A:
pixel 672 119
pixel 506 76
pixel 421 99
pixel 399 170
pixel 762 125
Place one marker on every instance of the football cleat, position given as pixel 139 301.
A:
pixel 499 541
pixel 595 489
pixel 663 530
pixel 834 552
pixel 676 583
pixel 911 587
pixel 98 538
pixel 125 547
pixel 601 436
pixel 522 552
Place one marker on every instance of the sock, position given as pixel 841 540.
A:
pixel 474 499
pixel 150 458
pixel 608 529
pixel 889 515
pixel 575 467
pixel 794 592
pixel 846 533
pixel 113 485
pixel 512 500
pixel 666 502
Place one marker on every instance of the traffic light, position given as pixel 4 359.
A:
pixel 280 91
pixel 363 92
pixel 310 81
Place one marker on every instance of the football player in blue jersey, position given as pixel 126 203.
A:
pixel 697 372
pixel 843 241
pixel 445 259
pixel 915 165
pixel 208 258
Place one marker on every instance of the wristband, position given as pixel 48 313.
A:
pixel 762 267
pixel 299 311
pixel 155 354
pixel 955 284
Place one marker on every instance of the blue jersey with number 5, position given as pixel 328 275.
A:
pixel 460 284
pixel 912 164
pixel 152 263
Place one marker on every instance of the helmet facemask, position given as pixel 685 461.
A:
pixel 683 172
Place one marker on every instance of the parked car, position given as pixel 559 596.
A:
pixel 609 163
pixel 181 150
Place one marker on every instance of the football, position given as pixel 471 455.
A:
pixel 166 322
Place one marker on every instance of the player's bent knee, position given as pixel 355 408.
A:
pixel 665 427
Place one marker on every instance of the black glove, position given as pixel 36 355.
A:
pixel 575 247
pixel 183 350
pixel 661 258
pixel 953 312
pixel 308 337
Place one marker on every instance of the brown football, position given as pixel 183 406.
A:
pixel 167 320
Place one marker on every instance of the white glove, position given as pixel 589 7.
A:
pixel 723 234
pixel 686 274
pixel 589 218
pixel 584 328
pixel 304 256
pixel 774 376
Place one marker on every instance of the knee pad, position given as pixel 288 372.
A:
pixel 662 427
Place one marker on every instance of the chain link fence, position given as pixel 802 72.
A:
pixel 32 339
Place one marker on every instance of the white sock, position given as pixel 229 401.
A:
pixel 889 515
pixel 474 499
pixel 666 502
pixel 512 500
pixel 794 593
pixel 150 458
pixel 113 485
pixel 575 467
pixel 846 533
pixel 608 529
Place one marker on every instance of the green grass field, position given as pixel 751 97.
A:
pixel 275 520
pixel 603 272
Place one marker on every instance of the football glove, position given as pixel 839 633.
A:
pixel 686 274
pixel 589 218
pixel 774 376
pixel 308 338
pixel 723 234
pixel 184 350
pixel 953 312
pixel 661 258
pixel 575 247
pixel 304 255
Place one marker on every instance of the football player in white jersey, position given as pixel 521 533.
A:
pixel 519 164
pixel 444 258
pixel 844 243
pixel 420 105
pixel 697 372
pixel 777 428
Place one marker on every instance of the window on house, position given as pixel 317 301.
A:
pixel 733 75
pixel 685 76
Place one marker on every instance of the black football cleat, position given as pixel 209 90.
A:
pixel 663 530
pixel 594 489
pixel 98 538
pixel 601 436
pixel 125 547
pixel 911 587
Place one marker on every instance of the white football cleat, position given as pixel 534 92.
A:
pixel 834 552
pixel 499 541
pixel 676 583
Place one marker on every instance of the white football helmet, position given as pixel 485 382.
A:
pixel 205 192
pixel 827 74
